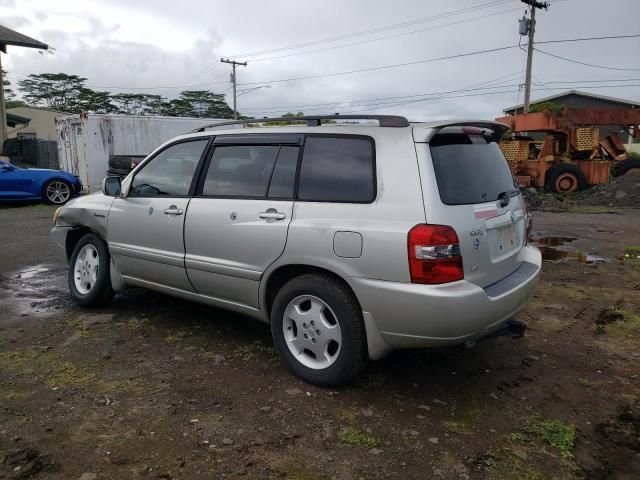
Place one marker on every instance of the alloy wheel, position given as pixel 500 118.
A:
pixel 85 269
pixel 58 192
pixel 312 332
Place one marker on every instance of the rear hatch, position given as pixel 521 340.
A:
pixel 467 184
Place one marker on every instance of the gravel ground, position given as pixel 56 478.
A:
pixel 152 387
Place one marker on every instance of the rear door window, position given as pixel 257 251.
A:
pixel 337 169
pixel 240 171
pixel 470 169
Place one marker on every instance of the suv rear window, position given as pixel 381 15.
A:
pixel 470 169
pixel 337 169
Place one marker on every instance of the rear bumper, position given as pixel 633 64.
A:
pixel 406 315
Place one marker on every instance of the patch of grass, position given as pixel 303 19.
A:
pixel 358 438
pixel 178 336
pixel 632 252
pixel 584 382
pixel 501 464
pixel 67 374
pixel 249 351
pixel 302 475
pixel 629 323
pixel 555 433
pixel 569 292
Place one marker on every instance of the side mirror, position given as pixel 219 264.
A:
pixel 7 167
pixel 111 186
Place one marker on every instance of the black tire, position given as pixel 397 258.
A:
pixel 625 165
pixel 101 291
pixel 558 172
pixel 352 356
pixel 55 200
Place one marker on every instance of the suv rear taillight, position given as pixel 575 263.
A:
pixel 434 254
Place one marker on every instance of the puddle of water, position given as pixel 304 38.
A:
pixel 31 272
pixel 555 249
pixel 36 291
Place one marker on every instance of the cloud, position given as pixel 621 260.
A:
pixel 177 44
pixel 15 21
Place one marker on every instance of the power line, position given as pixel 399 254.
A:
pixel 385 37
pixel 609 37
pixel 373 30
pixel 383 67
pixel 390 101
pixel 474 95
pixel 586 64
pixel 329 104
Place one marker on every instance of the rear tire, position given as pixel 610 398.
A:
pixel 89 274
pixel 318 330
pixel 565 178
pixel 629 165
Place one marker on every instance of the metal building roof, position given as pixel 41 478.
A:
pixel 575 92
pixel 11 37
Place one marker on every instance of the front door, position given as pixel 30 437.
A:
pixel 238 221
pixel 146 227
pixel 12 182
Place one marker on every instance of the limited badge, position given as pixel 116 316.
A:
pixel 476 243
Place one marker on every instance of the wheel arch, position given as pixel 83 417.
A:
pixel 280 275
pixel 75 234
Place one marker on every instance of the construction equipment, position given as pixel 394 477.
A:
pixel 572 155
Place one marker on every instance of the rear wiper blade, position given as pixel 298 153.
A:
pixel 505 197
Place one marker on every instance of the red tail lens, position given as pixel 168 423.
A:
pixel 434 254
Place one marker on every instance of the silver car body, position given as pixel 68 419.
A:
pixel 221 251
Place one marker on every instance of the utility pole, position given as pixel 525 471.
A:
pixel 530 29
pixel 234 83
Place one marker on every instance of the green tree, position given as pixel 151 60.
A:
pixel 57 91
pixel 92 101
pixel 9 94
pixel 138 103
pixel 199 103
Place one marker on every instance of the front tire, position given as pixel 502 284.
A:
pixel 89 275
pixel 565 178
pixel 57 192
pixel 318 330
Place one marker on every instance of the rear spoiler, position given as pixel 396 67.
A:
pixel 488 128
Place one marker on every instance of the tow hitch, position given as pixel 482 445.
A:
pixel 513 328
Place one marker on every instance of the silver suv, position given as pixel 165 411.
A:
pixel 352 237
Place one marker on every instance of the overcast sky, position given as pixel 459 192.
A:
pixel 135 45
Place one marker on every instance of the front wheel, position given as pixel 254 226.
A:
pixel 89 276
pixel 57 192
pixel 318 330
pixel 565 178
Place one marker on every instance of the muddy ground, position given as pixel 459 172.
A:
pixel 157 388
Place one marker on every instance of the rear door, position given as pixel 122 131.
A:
pixel 467 184
pixel 237 223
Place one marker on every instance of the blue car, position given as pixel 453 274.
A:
pixel 29 184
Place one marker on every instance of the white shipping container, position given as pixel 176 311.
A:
pixel 86 141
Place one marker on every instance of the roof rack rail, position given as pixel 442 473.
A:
pixel 315 121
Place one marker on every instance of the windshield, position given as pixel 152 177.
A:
pixel 470 169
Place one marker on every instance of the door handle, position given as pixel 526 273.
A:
pixel 173 210
pixel 272 214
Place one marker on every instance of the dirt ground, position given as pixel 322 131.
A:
pixel 157 388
